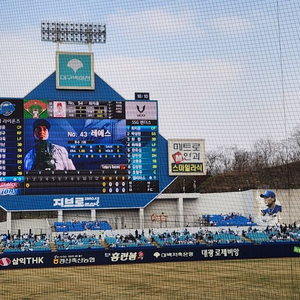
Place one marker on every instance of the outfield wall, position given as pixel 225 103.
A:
pixel 147 255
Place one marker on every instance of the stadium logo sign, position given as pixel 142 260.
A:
pixel 5 262
pixel 7 108
pixel 75 70
pixel 68 202
pixel 75 64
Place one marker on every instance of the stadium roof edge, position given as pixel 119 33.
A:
pixel 47 90
pixel 3 208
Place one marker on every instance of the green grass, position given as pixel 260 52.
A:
pixel 239 279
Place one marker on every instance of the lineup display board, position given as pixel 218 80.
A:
pixel 75 70
pixel 186 157
pixel 78 147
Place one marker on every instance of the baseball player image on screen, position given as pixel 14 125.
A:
pixel 46 155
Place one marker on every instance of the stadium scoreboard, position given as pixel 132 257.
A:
pixel 91 147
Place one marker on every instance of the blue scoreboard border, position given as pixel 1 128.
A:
pixel 103 92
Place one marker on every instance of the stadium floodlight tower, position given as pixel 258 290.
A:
pixel 71 32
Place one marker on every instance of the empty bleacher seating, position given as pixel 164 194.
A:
pixel 81 226
pixel 228 220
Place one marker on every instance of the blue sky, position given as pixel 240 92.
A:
pixel 219 69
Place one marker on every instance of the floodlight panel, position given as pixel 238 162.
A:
pixel 73 32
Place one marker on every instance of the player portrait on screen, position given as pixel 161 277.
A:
pixel 59 109
pixel 46 155
pixel 271 213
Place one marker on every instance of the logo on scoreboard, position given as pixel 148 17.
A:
pixel 141 110
pixel 10 188
pixel 7 108
pixel 76 202
pixel 75 70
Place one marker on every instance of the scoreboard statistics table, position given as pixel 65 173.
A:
pixel 107 147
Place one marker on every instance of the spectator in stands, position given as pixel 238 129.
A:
pixel 26 242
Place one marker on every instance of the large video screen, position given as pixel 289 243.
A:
pixel 67 147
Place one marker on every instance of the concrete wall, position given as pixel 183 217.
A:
pixel 224 203
pixel 76 215
pixel 168 207
pixel 193 206
pixel 37 226
pixel 119 219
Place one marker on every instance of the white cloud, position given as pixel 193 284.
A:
pixel 27 61
pixel 152 23
pixel 168 79
pixel 194 97
pixel 24 63
pixel 231 25
pixel 182 89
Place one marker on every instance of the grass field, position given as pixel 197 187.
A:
pixel 239 279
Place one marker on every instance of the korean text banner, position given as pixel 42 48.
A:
pixel 186 157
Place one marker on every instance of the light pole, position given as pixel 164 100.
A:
pixel 73 32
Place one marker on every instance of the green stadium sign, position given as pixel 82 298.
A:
pixel 75 70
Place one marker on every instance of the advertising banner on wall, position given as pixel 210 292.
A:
pixel 269 209
pixel 24 260
pixel 186 157
pixel 75 70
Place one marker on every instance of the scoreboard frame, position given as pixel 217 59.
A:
pixel 145 118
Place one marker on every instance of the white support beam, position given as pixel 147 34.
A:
pixel 141 218
pixel 180 211
pixel 8 221
pixel 60 216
